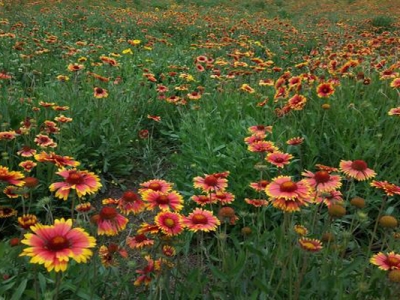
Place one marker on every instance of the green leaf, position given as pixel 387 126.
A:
pixel 20 290
pixel 42 282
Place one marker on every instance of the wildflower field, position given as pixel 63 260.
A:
pixel 215 149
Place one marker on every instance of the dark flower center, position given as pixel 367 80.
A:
pixel 162 199
pixel 359 165
pixel 322 177
pixel 155 186
pixel 263 183
pixel 108 213
pixel 130 196
pixel 199 219
pixel 393 261
pixel 140 238
pixel 74 178
pixel 288 186
pixel 57 243
pixel 211 180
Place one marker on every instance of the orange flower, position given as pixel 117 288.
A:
pixel 325 90
pixel 11 177
pixel 390 261
pixel 311 245
pixel 75 67
pixel 100 92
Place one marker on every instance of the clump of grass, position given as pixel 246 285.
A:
pixel 383 23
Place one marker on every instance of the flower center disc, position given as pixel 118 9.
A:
pixel 288 186
pixel 108 213
pixel 211 180
pixel 155 186
pixel 162 199
pixel 169 222
pixel 199 219
pixel 130 196
pixel 393 261
pixel 74 178
pixel 140 238
pixel 359 165
pixel 57 243
pixel 322 176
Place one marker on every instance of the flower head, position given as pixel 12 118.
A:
pixel 83 182
pixel 210 183
pixel 322 181
pixel 54 245
pixel 58 160
pixel 156 185
pixel 390 261
pixel 11 177
pixel 130 202
pixel 202 220
pixel 357 169
pixel 139 241
pixel 311 245
pixel 109 221
pixel 26 221
pixel 99 92
pixel 169 223
pixel 259 186
pixel 279 159
pixel 324 90
pixel 256 202
pixel 284 187
pixel 390 189
pixel 7 212
pixel 165 201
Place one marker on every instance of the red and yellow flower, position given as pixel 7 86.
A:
pixel 357 169
pixel 279 159
pixel 322 181
pixel 170 223
pixel 210 183
pixel 390 261
pixel 202 220
pixel 164 201
pixel 284 187
pixel 12 177
pixel 109 222
pixel 310 245
pixel 139 241
pixel 54 245
pixel 130 202
pixel 83 182
pixel 325 90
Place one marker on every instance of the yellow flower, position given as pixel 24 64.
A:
pixel 127 51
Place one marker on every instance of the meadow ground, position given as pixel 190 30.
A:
pixel 199 149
